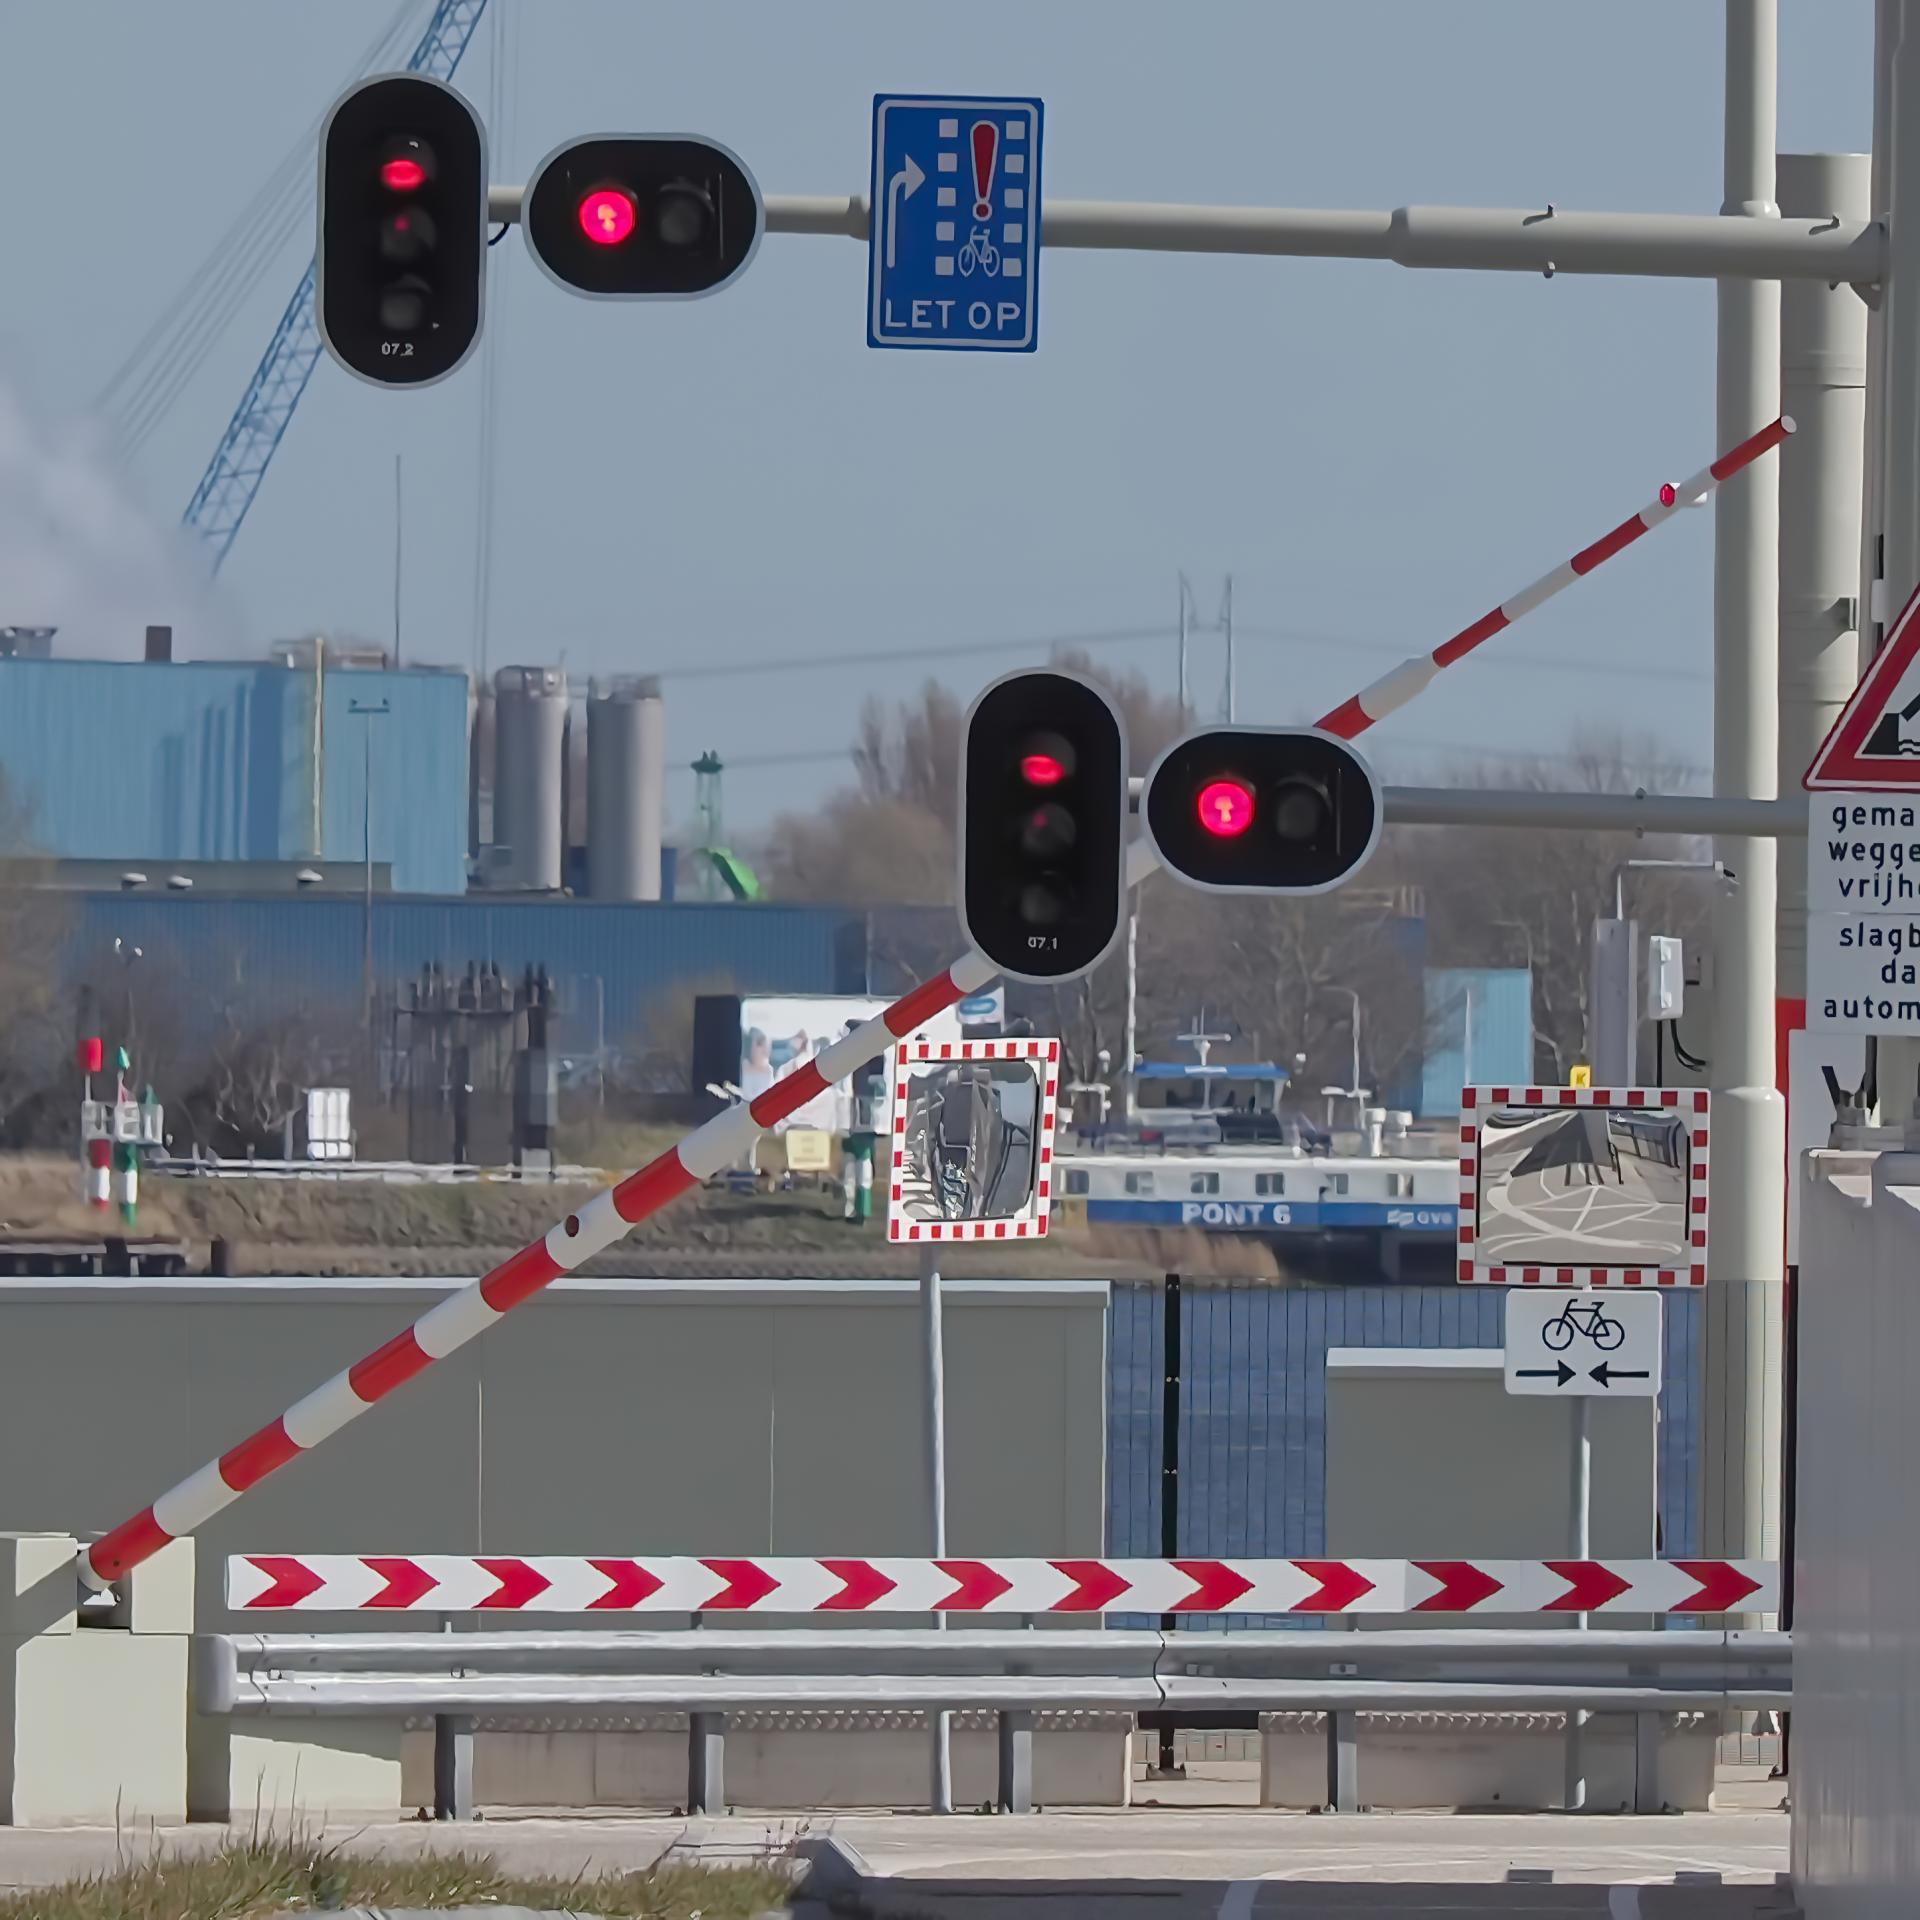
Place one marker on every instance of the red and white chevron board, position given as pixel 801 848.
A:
pixel 1031 1223
pixel 461 1583
pixel 1692 1103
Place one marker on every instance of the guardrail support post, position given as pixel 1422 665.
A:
pixel 1016 1760
pixel 1343 1763
pixel 452 1766
pixel 706 1763
pixel 1646 1764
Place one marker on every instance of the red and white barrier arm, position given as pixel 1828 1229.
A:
pixel 724 1138
pixel 463 1316
pixel 1395 689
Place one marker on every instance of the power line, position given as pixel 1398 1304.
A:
pixel 804 662
pixel 878 656
pixel 1466 749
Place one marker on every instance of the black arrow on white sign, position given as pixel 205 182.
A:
pixel 1560 1374
pixel 1606 1374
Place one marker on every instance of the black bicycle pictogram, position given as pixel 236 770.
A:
pixel 1591 1319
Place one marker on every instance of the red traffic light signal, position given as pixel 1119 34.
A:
pixel 1225 807
pixel 1262 810
pixel 401 260
pixel 642 217
pixel 608 216
pixel 1043 812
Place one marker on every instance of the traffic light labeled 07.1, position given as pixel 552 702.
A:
pixel 642 217
pixel 1043 811
pixel 1262 810
pixel 401 261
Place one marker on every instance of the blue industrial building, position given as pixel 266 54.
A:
pixel 1479 1032
pixel 212 760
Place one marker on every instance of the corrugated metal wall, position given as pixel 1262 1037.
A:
pixel 1253 1426
pixel 204 760
pixel 419 765
pixel 1492 1007
pixel 309 948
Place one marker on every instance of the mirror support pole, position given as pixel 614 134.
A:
pixel 941 1797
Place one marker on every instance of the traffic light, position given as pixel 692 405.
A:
pixel 403 230
pixel 1043 810
pixel 1262 810
pixel 640 217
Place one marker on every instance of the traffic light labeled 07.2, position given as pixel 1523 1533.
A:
pixel 642 217
pixel 1262 810
pixel 1043 811
pixel 401 261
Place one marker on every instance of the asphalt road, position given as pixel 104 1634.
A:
pixel 1232 1866
pixel 1191 1864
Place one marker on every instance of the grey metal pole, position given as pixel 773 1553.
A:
pixel 1131 1111
pixel 941 1796
pixel 1580 1503
pixel 366 850
pixel 1741 1491
pixel 1823 372
pixel 1895 382
pixel 1183 649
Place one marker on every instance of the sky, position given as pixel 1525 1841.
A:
pixel 737 493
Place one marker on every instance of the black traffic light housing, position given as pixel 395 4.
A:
pixel 1043 817
pixel 1262 810
pixel 401 262
pixel 642 216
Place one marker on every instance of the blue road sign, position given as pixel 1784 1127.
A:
pixel 954 249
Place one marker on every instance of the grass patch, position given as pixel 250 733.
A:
pixel 255 1876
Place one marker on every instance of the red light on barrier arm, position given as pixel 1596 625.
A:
pixel 1225 808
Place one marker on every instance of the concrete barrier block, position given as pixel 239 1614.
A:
pixel 783 1762
pixel 1482 1760
pixel 334 1767
pixel 93 1714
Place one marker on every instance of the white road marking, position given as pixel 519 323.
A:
pixel 1237 1902
pixel 1623 1903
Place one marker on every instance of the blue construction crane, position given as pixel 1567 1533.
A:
pixel 233 476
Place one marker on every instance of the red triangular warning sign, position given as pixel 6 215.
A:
pixel 1875 744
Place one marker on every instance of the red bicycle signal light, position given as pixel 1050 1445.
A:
pixel 1225 808
pixel 641 216
pixel 608 216
pixel 1274 810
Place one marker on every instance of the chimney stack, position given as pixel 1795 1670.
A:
pixel 159 643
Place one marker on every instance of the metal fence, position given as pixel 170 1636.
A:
pixel 1252 1432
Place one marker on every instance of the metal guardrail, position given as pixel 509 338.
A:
pixel 459 1679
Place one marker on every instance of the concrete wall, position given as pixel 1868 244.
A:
pixel 1856 1609
pixel 1428 1454
pixel 620 1416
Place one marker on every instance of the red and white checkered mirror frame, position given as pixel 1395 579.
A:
pixel 1031 1225
pixel 1693 1104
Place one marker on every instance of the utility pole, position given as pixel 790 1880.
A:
pixel 1823 371
pixel 1743 1304
pixel 1893 389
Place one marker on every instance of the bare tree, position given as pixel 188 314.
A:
pixel 890 838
